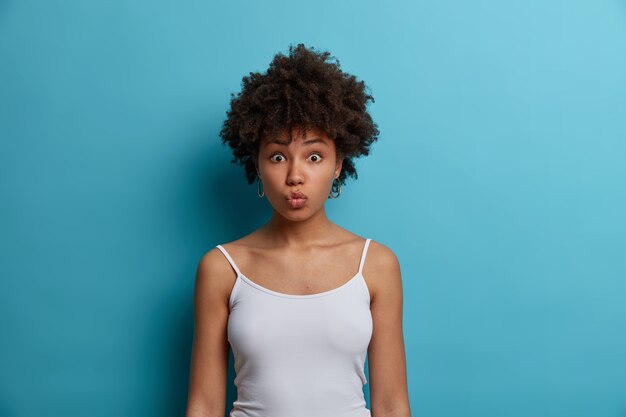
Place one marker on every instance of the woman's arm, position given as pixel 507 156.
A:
pixel 386 356
pixel 209 359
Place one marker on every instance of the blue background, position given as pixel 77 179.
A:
pixel 498 179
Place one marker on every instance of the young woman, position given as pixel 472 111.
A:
pixel 300 300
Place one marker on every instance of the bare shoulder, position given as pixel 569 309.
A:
pixel 214 263
pixel 214 277
pixel 382 270
pixel 380 259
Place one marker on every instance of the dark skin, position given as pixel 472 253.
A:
pixel 299 251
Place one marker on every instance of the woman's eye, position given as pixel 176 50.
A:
pixel 316 157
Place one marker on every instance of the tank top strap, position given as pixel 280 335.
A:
pixel 367 243
pixel 230 259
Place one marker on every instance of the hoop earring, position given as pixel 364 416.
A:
pixel 258 187
pixel 334 187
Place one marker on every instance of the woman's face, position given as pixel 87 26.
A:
pixel 307 165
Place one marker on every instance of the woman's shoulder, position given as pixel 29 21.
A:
pixel 214 278
pixel 381 267
pixel 218 266
pixel 381 253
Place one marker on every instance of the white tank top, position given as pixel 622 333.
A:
pixel 299 355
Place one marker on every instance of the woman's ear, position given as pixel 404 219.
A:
pixel 256 164
pixel 338 167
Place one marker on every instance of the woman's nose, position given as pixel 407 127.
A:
pixel 294 176
pixel 294 179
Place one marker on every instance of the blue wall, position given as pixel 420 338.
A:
pixel 498 179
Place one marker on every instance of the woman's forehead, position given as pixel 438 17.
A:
pixel 282 136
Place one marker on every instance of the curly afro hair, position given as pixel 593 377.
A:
pixel 302 90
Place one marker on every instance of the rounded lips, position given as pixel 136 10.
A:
pixel 296 195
